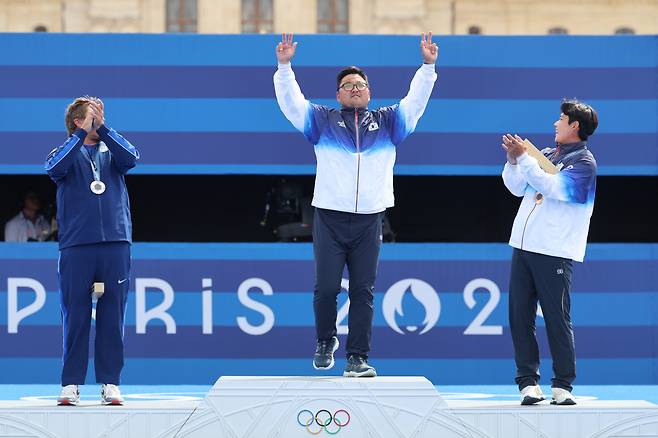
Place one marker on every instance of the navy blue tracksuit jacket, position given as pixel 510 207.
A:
pixel 95 232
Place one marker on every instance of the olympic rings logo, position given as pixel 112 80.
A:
pixel 323 420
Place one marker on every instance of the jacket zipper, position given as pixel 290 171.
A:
pixel 526 223
pixel 358 158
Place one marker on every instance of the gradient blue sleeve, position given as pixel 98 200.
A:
pixel 575 183
pixel 514 180
pixel 406 114
pixel 316 120
pixel 306 117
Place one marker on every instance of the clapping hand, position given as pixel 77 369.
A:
pixel 93 118
pixel 514 147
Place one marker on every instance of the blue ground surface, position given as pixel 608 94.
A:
pixel 450 392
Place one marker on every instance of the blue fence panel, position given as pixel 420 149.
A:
pixel 259 317
pixel 171 94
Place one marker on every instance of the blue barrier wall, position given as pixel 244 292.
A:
pixel 197 104
pixel 440 311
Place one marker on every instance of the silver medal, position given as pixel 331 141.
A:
pixel 97 187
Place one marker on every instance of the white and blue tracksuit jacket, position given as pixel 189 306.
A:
pixel 82 216
pixel 354 149
pixel 558 226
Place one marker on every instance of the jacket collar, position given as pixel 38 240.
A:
pixel 349 111
pixel 567 148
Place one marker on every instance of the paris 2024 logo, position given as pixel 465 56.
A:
pixel 423 293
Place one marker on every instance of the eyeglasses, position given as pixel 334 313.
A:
pixel 349 86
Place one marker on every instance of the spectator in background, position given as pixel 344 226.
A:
pixel 28 225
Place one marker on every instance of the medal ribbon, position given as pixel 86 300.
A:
pixel 94 161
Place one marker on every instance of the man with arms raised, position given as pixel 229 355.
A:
pixel 355 152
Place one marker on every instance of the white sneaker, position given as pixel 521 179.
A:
pixel 531 394
pixel 110 395
pixel 70 396
pixel 562 397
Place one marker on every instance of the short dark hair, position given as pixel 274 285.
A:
pixel 584 114
pixel 352 70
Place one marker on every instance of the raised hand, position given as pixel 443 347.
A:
pixel 93 118
pixel 99 109
pixel 428 49
pixel 285 50
pixel 514 147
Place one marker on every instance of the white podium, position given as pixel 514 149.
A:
pixel 287 407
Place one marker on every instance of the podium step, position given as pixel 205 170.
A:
pixel 289 407
pixel 305 406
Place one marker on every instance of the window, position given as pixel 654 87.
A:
pixel 625 31
pixel 333 16
pixel 257 16
pixel 181 15
pixel 558 31
pixel 40 28
pixel 474 30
